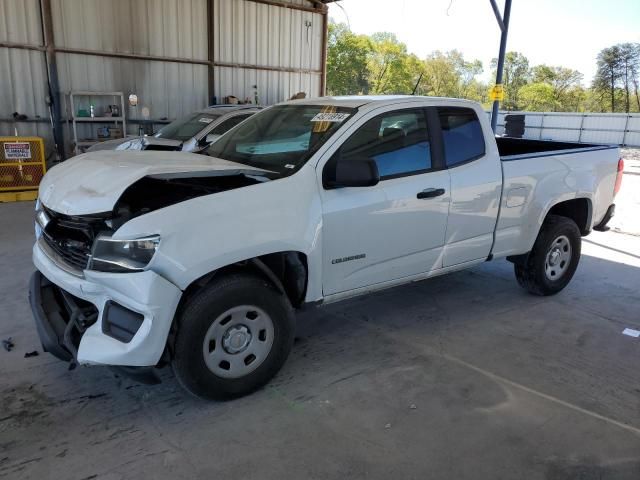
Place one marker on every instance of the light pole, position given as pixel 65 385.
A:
pixel 498 92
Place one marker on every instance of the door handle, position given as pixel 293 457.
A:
pixel 430 193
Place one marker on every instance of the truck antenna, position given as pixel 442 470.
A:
pixel 417 83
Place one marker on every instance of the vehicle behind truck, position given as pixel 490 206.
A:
pixel 147 259
pixel 192 133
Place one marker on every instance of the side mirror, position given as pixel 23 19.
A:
pixel 354 172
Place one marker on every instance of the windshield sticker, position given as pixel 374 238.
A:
pixel 330 117
pixel 288 165
pixel 205 120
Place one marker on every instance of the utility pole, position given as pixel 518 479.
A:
pixel 498 91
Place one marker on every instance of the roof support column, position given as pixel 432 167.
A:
pixel 211 53
pixel 503 22
pixel 55 106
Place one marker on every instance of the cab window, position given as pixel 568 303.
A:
pixel 229 124
pixel 397 141
pixel 461 135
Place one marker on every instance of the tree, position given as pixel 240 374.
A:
pixel 568 94
pixel 440 76
pixel 629 62
pixel 389 65
pixel 380 63
pixel 448 74
pixel 608 72
pixel 634 70
pixel 466 72
pixel 515 75
pixel 347 61
pixel 537 97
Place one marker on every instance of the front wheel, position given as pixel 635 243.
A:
pixel 554 258
pixel 232 337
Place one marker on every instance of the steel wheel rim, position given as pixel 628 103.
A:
pixel 558 258
pixel 238 341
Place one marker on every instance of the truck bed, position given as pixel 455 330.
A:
pixel 519 148
pixel 537 174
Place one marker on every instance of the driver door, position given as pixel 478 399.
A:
pixel 394 229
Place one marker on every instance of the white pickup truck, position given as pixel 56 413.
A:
pixel 152 258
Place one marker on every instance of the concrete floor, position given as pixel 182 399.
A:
pixel 458 377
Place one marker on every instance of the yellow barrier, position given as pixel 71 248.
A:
pixel 22 166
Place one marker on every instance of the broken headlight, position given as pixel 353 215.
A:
pixel 119 256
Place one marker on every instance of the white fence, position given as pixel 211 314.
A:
pixel 612 128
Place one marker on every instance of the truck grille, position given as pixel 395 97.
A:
pixel 70 238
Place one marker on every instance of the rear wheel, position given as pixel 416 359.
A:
pixel 554 258
pixel 232 337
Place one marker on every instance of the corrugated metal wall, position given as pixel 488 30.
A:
pixel 23 74
pixel 250 33
pixel 278 50
pixel 168 28
pixel 612 128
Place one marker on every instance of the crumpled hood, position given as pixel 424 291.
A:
pixel 93 182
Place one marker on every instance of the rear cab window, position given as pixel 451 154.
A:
pixel 462 135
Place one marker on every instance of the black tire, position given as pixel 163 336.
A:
pixel 201 312
pixel 532 274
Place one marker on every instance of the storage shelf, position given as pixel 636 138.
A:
pixel 118 121
pixel 99 119
pixel 86 93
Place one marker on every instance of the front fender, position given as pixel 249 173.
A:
pixel 204 234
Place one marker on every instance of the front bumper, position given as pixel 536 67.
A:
pixel 146 297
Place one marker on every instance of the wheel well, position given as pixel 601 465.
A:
pixel 286 271
pixel 578 210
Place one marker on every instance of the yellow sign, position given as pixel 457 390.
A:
pixel 497 93
pixel 22 165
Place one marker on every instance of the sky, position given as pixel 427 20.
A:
pixel 569 33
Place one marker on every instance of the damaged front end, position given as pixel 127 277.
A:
pixel 154 192
pixel 61 318
pixel 70 240
pixel 86 309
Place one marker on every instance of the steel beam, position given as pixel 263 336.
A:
pixel 52 76
pixel 265 67
pixel 503 47
pixel 23 46
pixel 322 9
pixel 496 12
pixel 210 52
pixel 158 58
pixel 323 65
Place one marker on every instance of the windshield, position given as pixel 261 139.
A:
pixel 187 127
pixel 282 138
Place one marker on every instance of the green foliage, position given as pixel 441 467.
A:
pixel 516 74
pixel 381 64
pixel 538 97
pixel 567 92
pixel 347 61
pixel 617 78
pixel 440 79
pixel 390 67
